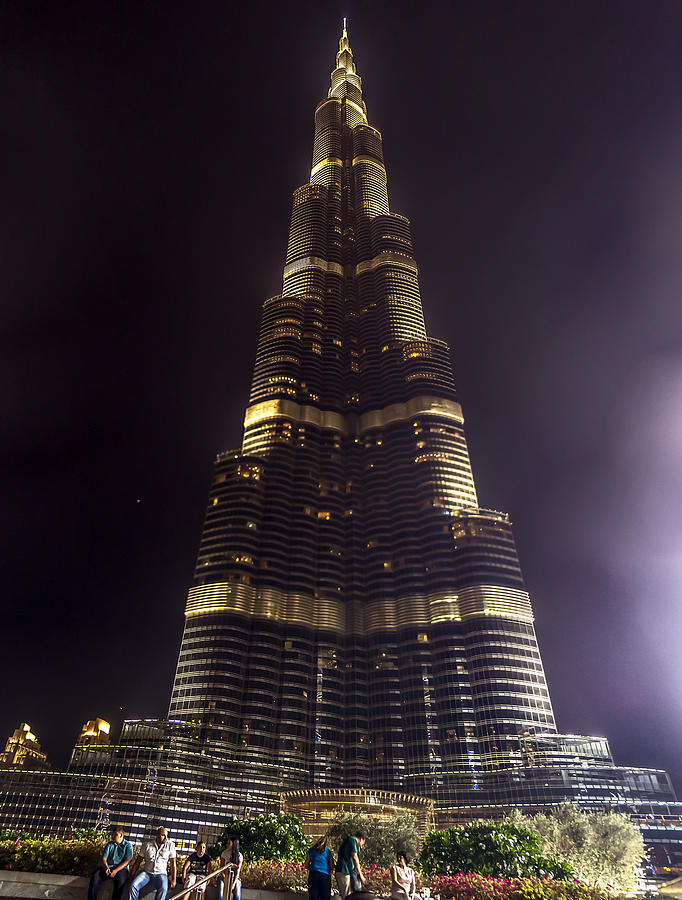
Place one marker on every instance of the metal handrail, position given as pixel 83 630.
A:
pixel 227 895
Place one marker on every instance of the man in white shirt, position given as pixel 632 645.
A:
pixel 158 855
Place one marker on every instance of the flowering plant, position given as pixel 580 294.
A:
pixel 472 886
pixel 61 856
pixel 274 875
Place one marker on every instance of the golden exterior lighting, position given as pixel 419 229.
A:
pixel 317 809
pixel 411 611
pixel 346 570
pixel 347 425
pixel 94 731
pixel 23 750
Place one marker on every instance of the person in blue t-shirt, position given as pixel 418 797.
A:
pixel 319 862
pixel 114 864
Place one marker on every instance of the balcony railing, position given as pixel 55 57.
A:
pixel 229 882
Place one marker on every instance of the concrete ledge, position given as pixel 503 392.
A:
pixel 256 894
pixel 671 888
pixel 43 886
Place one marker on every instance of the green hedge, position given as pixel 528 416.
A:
pixel 274 836
pixel 497 849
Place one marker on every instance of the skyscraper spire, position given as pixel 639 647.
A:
pixel 346 83
pixel 343 42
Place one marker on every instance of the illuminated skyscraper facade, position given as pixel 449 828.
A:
pixel 356 620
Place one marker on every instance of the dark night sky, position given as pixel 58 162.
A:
pixel 150 151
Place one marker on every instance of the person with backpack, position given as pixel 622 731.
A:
pixel 349 875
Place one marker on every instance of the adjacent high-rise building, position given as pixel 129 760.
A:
pixel 22 749
pixel 356 620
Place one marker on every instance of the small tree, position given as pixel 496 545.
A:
pixel 617 850
pixel 384 839
pixel 604 848
pixel 273 837
pixel 496 849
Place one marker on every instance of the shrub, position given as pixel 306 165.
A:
pixel 549 889
pixel 69 856
pixel 603 848
pixel 269 875
pixel 489 848
pixel 80 857
pixel 10 834
pixel 378 879
pixel 272 837
pixel 273 875
pixel 471 886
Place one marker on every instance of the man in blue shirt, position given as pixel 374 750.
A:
pixel 114 864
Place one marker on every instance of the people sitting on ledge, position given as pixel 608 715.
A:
pixel 113 866
pixel 197 866
pixel 403 885
pixel 233 858
pixel 158 856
